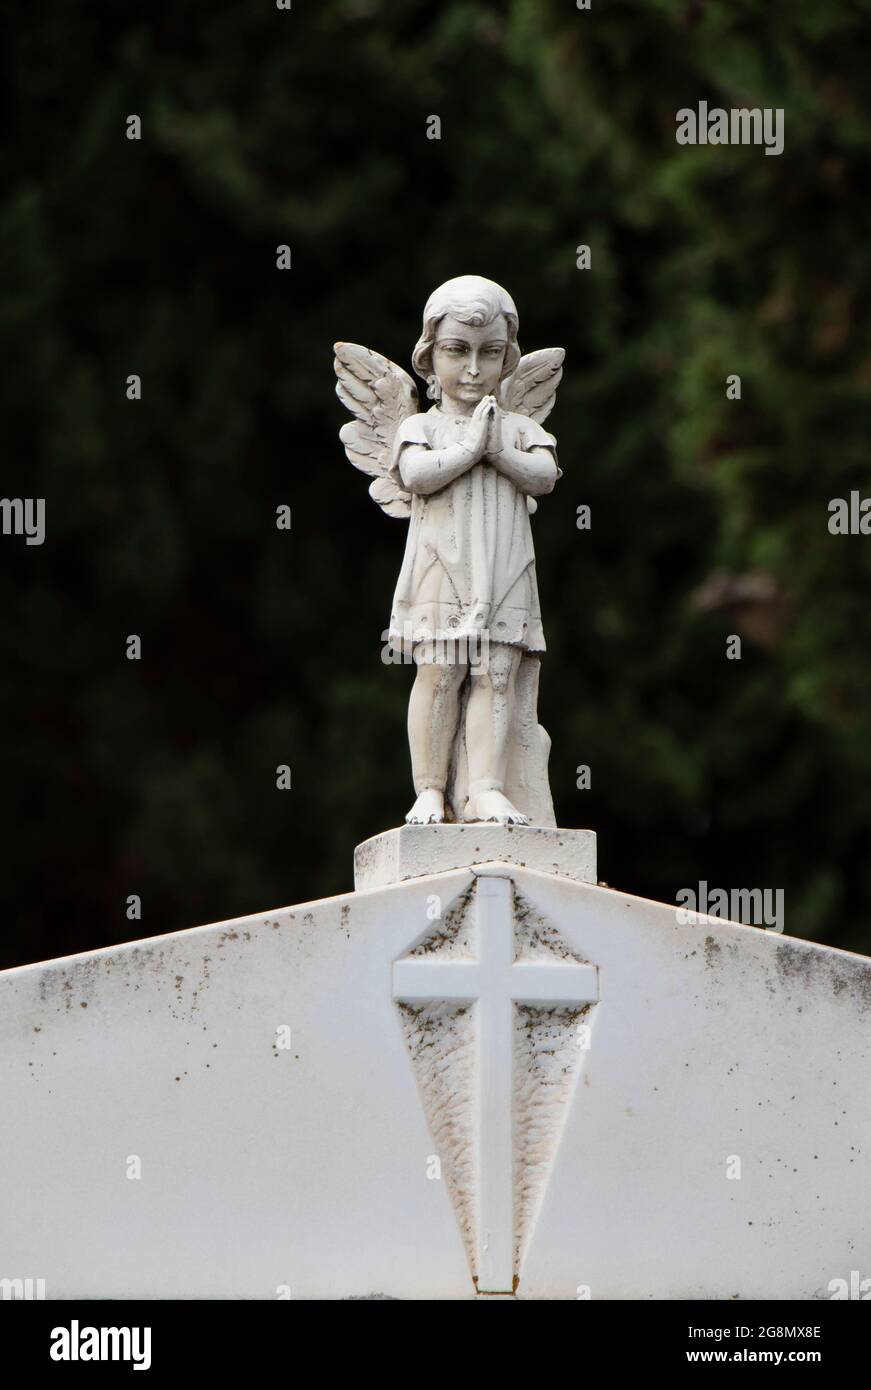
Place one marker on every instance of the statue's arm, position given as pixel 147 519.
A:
pixel 533 471
pixel 425 470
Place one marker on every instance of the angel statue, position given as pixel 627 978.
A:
pixel 466 473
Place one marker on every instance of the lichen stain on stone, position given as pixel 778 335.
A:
pixel 441 1042
pixel 713 951
pixel 451 935
pixel 157 968
pixel 63 984
pixel 717 952
pixel 788 965
pixel 535 937
pixel 548 1057
pixel 845 977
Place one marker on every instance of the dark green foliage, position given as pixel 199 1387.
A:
pixel 307 127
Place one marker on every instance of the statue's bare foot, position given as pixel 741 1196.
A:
pixel 493 806
pixel 429 809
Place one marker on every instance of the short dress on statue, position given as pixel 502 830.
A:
pixel 469 565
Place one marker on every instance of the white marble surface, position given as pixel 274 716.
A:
pixel 668 1052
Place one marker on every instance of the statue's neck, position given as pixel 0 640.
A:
pixel 455 409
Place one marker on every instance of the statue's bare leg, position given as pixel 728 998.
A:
pixel 432 723
pixel 489 716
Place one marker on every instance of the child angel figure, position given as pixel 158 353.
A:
pixel 465 473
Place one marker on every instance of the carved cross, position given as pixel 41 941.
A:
pixel 495 982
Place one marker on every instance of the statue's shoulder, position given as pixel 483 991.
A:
pixel 529 430
pixel 416 429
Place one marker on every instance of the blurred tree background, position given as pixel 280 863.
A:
pixel 260 647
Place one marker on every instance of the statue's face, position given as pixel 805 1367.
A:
pixel 468 361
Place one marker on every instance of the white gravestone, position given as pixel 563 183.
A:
pixel 498 1080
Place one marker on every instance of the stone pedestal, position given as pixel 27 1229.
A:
pixel 412 851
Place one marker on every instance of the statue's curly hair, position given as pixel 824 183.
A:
pixel 472 300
